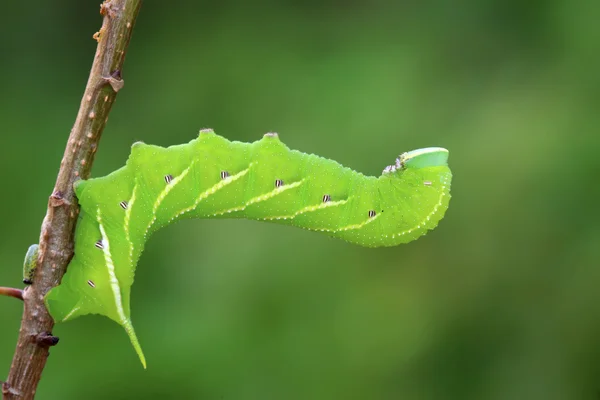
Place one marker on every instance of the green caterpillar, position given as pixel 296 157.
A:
pixel 211 177
pixel 30 264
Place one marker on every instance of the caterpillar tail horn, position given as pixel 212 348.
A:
pixel 134 341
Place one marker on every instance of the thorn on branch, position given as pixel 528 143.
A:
pixel 7 389
pixel 57 199
pixel 107 8
pixel 96 36
pixel 46 339
pixel 115 80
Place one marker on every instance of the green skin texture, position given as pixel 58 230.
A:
pixel 30 264
pixel 406 203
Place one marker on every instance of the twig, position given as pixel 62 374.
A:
pixel 12 292
pixel 56 238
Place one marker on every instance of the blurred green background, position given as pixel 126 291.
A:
pixel 501 301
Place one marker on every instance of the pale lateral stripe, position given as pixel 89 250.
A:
pixel 110 266
pixel 428 217
pixel 116 289
pixel 73 311
pixel 274 192
pixel 310 209
pixel 215 188
pixel 262 197
pixel 358 226
pixel 170 186
pixel 346 228
pixel 128 211
pixel 163 194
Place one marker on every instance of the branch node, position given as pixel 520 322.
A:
pixel 107 9
pixel 115 81
pixel 96 36
pixel 57 199
pixel 7 389
pixel 46 339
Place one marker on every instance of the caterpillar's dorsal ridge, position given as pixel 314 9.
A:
pixel 206 131
pixel 271 135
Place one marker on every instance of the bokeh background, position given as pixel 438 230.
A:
pixel 501 301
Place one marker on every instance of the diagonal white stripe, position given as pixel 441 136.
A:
pixel 110 266
pixel 306 209
pixel 130 203
pixel 357 226
pixel 116 289
pixel 170 186
pixel 262 197
pixel 163 194
pixel 73 311
pixel 213 189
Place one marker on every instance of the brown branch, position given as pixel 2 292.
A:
pixel 12 292
pixel 56 238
